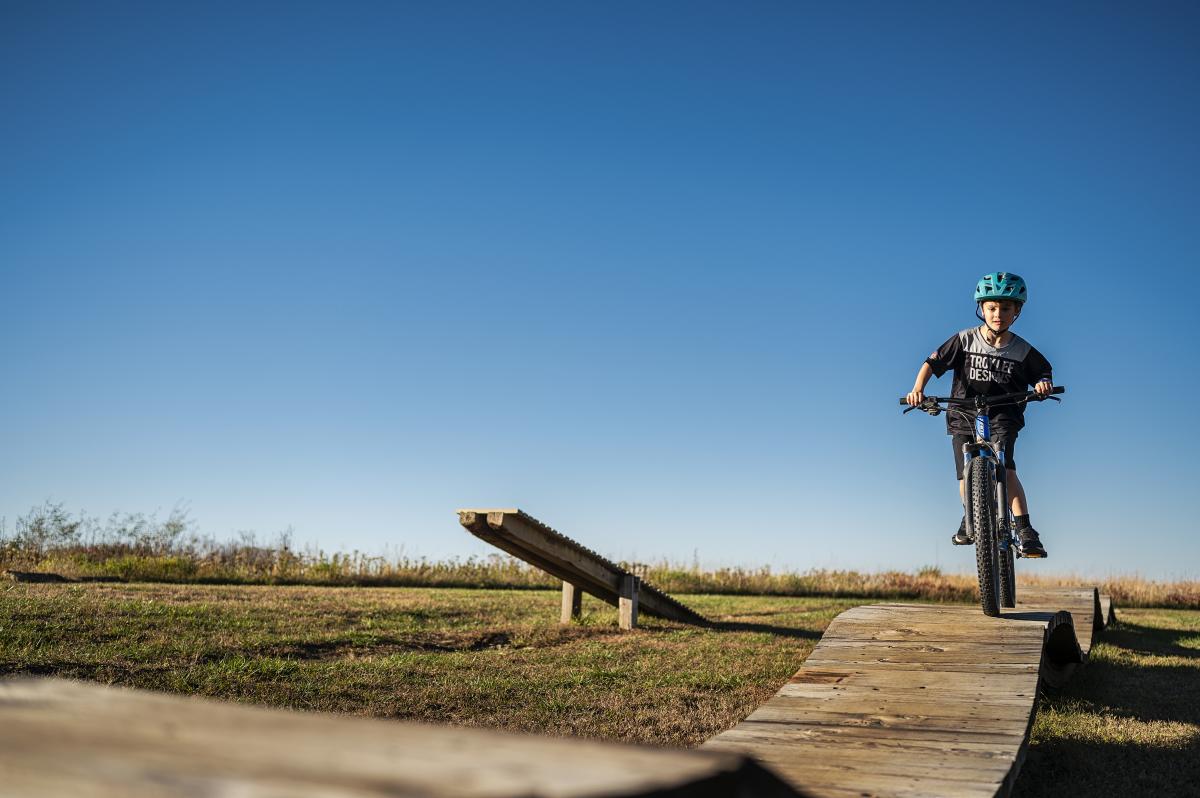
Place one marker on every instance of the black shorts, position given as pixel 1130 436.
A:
pixel 1007 441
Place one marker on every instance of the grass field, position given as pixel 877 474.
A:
pixel 1127 723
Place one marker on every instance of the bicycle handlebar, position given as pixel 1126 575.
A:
pixel 990 401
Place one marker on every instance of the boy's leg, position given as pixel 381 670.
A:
pixel 1031 543
pixel 960 536
pixel 1016 495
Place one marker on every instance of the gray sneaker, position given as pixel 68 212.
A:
pixel 1031 544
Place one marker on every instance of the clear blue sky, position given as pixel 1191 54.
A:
pixel 654 272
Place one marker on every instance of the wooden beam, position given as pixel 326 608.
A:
pixel 572 603
pixel 526 538
pixel 629 601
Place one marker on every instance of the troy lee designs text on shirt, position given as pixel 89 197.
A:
pixel 986 368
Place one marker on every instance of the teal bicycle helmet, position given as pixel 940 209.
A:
pixel 1001 285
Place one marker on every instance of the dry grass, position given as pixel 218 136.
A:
pixel 137 548
pixel 274 567
pixel 261 566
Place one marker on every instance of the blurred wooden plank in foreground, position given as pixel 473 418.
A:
pixel 62 738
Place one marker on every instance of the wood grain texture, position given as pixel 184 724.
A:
pixel 62 738
pixel 920 700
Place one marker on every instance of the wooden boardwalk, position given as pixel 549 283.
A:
pixel 920 700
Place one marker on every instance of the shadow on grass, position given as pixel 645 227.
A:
pixel 763 628
pixel 1074 767
pixel 1148 640
pixel 1123 693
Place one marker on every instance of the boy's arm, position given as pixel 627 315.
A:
pixel 944 358
pixel 917 394
pixel 1043 382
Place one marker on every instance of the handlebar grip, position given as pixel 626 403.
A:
pixel 903 400
pixel 1059 389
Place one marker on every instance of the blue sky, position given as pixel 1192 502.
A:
pixel 654 272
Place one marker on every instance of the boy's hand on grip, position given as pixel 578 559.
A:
pixel 915 397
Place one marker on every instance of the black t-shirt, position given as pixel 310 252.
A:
pixel 981 369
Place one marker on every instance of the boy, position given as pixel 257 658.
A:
pixel 991 360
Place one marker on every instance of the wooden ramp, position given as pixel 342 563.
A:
pixel 920 700
pixel 523 536
pixel 60 738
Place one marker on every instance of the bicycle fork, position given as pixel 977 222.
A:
pixel 1004 525
pixel 972 458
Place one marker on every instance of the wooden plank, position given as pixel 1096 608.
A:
pixel 867 782
pixel 60 738
pixel 884 721
pixel 905 701
pixel 987 689
pixel 862 735
pixel 815 738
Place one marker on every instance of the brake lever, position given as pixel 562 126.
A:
pixel 926 406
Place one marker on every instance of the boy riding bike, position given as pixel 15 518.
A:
pixel 990 360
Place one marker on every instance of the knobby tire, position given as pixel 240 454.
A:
pixel 1008 576
pixel 982 494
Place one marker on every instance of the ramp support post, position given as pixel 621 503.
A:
pixel 572 602
pixel 628 602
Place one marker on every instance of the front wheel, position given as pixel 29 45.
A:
pixel 1008 577
pixel 982 499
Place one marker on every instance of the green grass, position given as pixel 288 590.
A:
pixel 1128 723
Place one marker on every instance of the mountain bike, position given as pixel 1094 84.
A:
pixel 985 500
